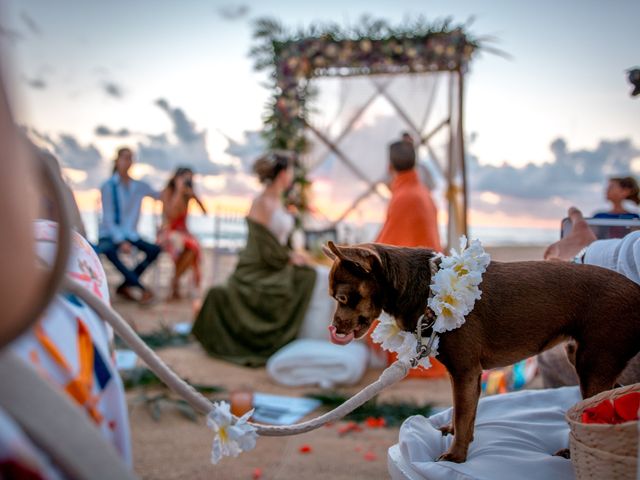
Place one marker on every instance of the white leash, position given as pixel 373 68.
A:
pixel 391 375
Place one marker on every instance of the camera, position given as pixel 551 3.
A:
pixel 188 183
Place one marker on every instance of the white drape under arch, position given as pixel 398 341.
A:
pixel 352 122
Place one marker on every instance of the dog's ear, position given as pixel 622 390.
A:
pixel 327 250
pixel 363 257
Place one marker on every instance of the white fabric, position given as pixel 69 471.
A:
pixel 515 437
pixel 60 324
pixel 318 362
pixel 16 447
pixel 619 254
pixel 321 307
pixel 281 224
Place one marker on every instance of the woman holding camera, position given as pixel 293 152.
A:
pixel 174 237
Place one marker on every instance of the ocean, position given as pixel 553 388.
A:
pixel 229 232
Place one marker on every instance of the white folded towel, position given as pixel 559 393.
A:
pixel 318 362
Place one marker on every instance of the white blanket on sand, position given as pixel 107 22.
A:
pixel 516 435
pixel 318 362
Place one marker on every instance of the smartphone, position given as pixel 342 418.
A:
pixel 604 228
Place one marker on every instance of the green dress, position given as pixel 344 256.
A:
pixel 260 308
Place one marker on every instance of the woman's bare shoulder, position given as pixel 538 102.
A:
pixel 261 210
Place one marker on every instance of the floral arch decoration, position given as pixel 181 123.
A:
pixel 374 47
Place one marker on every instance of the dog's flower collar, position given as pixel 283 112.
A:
pixel 453 293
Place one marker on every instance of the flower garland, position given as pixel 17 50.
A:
pixel 453 293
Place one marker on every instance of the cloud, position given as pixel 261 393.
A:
pixel 248 149
pixel 233 12
pixel 104 131
pixel 11 35
pixel 183 128
pixel 36 83
pixel 188 147
pixel 545 190
pixel 30 23
pixel 113 90
pixel 76 156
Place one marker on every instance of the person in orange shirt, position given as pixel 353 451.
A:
pixel 412 216
pixel 412 220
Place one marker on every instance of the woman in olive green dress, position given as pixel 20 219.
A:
pixel 262 305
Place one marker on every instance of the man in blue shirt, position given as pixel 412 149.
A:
pixel 121 201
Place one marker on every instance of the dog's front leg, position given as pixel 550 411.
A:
pixel 466 391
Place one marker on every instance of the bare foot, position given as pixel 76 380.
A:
pixel 580 236
pixel 146 298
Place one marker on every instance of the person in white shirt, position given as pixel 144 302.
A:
pixel 121 201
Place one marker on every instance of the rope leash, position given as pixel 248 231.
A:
pixel 391 375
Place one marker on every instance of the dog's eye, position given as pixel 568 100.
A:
pixel 342 298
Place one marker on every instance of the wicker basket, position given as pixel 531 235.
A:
pixel 602 450
pixel 595 464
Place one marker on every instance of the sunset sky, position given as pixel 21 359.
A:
pixel 174 81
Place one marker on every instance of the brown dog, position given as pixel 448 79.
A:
pixel 526 307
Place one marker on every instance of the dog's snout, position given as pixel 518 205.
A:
pixel 342 325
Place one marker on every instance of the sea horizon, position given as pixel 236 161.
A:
pixel 230 231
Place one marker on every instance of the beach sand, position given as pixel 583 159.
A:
pixel 174 447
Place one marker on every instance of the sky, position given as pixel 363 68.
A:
pixel 545 128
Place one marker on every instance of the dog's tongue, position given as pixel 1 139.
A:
pixel 339 339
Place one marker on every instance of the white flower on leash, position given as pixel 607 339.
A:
pixel 231 437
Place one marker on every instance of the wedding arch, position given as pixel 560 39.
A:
pixel 377 54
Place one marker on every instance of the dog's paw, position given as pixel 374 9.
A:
pixel 452 457
pixel 447 429
pixel 563 452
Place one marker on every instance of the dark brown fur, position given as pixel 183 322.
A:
pixel 526 307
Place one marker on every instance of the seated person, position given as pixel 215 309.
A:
pixel 273 296
pixel 174 237
pixel 118 232
pixel 621 255
pixel 620 189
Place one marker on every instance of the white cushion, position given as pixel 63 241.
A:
pixel 516 435
pixel 318 362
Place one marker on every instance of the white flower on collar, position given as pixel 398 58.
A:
pixel 455 285
pixel 391 337
pixel 453 294
pixel 231 437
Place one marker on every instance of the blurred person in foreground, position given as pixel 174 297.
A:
pixel 118 231
pixel 174 236
pixel 67 345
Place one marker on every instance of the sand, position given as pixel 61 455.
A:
pixel 177 448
